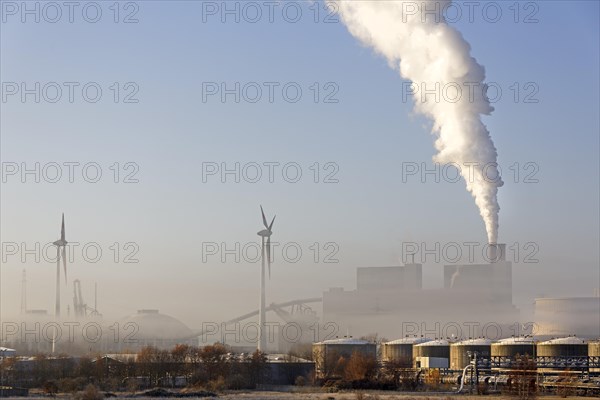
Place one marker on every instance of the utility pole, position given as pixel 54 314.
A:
pixel 476 371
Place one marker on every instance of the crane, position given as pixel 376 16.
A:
pixel 80 308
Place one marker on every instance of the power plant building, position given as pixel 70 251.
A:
pixel 390 300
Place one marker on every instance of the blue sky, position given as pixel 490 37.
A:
pixel 369 133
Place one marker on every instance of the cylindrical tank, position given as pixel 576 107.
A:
pixel 400 351
pixel 432 354
pixel 459 357
pixel 594 348
pixel 513 346
pixel 566 352
pixel 594 352
pixel 505 351
pixel 435 348
pixel 563 347
pixel 327 353
pixel 557 317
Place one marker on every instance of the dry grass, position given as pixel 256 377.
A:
pixel 367 395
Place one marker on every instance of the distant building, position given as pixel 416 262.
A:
pixel 151 328
pixel 41 333
pixel 476 300
pixel 6 352
pixel 381 279
pixel 492 281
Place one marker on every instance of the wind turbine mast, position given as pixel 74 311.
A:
pixel 265 251
pixel 60 245
pixel 262 343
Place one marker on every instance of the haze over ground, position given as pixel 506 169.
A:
pixel 368 136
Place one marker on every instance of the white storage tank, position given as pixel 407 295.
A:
pixel 594 353
pixel 400 351
pixel 511 347
pixel 570 346
pixel 505 351
pixel 432 354
pixel 566 352
pixel 459 352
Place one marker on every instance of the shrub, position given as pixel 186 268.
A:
pixel 216 385
pixel 90 392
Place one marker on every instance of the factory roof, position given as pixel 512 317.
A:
pixel 516 340
pixel 565 340
pixel 437 342
pixel 474 342
pixel 409 340
pixel 6 352
pixel 346 340
pixel 285 358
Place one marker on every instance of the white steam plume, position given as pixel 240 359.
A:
pixel 432 54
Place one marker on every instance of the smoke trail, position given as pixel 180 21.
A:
pixel 432 54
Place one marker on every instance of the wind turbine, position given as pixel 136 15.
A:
pixel 265 233
pixel 60 254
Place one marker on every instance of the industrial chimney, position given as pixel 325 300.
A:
pixel 496 252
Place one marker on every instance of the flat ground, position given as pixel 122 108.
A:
pixel 314 395
pixel 370 395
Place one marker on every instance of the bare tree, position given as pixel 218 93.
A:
pixel 360 366
pixel 214 361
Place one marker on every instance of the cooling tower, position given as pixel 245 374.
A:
pixel 555 317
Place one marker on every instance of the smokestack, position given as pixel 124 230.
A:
pixel 496 252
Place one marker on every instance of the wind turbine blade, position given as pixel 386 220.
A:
pixel 269 255
pixel 264 218
pixel 62 229
pixel 273 220
pixel 64 259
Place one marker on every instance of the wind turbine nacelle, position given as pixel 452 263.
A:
pixel 60 243
pixel 264 233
